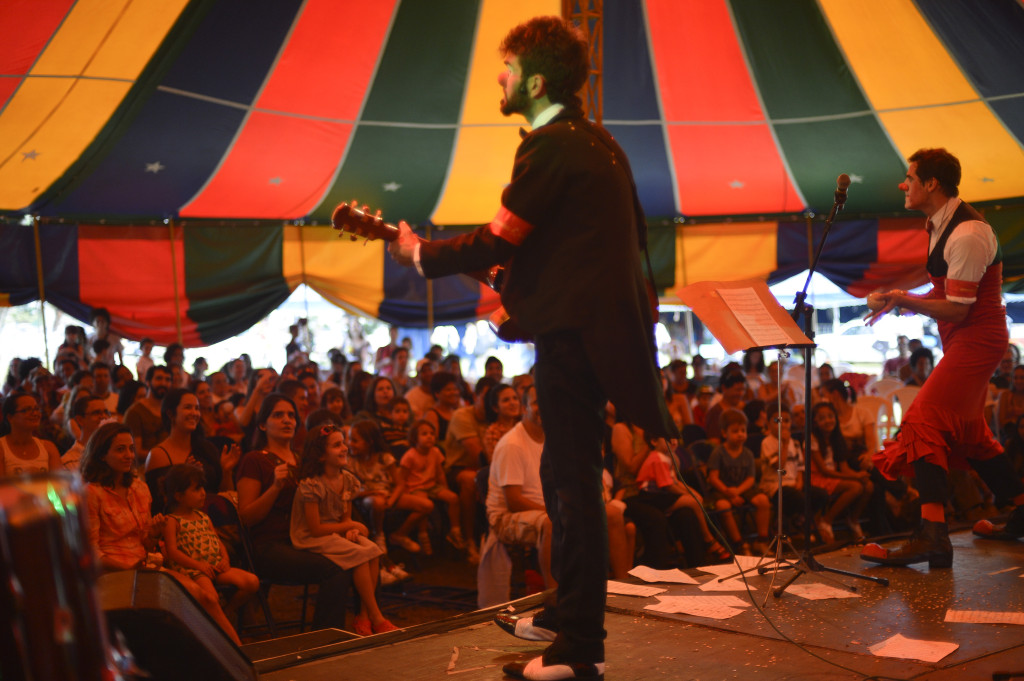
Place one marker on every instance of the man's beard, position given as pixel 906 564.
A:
pixel 519 103
pixel 159 392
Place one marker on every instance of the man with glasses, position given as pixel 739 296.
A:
pixel 89 412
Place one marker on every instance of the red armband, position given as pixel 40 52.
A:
pixel 961 289
pixel 510 227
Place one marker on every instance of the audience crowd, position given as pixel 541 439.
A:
pixel 332 475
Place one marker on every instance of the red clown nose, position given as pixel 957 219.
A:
pixel 904 187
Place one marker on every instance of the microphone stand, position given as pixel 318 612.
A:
pixel 807 561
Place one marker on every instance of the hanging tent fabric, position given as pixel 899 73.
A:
pixel 183 156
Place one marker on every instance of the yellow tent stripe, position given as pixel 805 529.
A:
pixel 748 247
pixel 899 60
pixel 482 161
pixel 922 97
pixel 78 81
pixel 348 273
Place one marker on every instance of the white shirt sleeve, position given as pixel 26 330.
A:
pixel 969 251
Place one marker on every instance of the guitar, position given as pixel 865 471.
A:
pixel 357 222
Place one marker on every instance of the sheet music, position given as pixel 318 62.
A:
pixel 913 649
pixel 984 617
pixel 752 314
pixel 627 589
pixel 649 574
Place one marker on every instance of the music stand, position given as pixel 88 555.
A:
pixel 744 315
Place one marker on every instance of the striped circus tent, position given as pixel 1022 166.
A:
pixel 177 161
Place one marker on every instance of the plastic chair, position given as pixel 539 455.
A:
pixel 884 387
pixel 882 409
pixel 904 397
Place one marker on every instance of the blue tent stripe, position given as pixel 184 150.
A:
pixel 850 249
pixel 631 99
pixel 985 39
pixel 405 292
pixel 187 124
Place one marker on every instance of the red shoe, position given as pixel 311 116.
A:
pixel 384 626
pixel 362 626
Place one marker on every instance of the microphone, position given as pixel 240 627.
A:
pixel 842 183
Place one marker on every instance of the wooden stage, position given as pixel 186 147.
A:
pixel 829 639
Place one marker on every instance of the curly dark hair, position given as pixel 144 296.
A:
pixel 940 165
pixel 555 49
pixel 94 466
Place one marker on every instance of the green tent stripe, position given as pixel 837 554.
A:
pixel 407 129
pixel 822 121
pixel 229 287
pixel 422 73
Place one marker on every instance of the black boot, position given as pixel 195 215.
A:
pixel 930 543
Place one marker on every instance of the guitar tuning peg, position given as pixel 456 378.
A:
pixel 377 214
pixel 366 209
pixel 353 237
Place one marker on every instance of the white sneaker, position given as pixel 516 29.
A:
pixel 400 574
pixel 387 577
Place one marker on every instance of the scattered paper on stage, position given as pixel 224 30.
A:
pixel 729 569
pixel 626 589
pixel 714 607
pixel 984 617
pixel 736 584
pixel 674 576
pixel 912 649
pixel 817 592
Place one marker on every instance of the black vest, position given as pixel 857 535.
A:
pixel 937 265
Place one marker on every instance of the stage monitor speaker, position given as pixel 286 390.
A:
pixel 166 631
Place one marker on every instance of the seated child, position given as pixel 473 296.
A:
pixel 395 426
pixel 661 487
pixel 383 488
pixel 792 468
pixel 192 547
pixel 422 468
pixel 322 521
pixel 731 473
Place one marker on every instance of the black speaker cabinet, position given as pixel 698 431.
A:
pixel 167 632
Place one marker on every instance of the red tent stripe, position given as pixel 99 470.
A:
pixel 25 30
pixel 290 147
pixel 110 256
pixel 719 140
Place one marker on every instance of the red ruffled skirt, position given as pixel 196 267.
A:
pixel 945 424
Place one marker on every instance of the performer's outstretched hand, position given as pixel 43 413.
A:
pixel 881 303
pixel 402 248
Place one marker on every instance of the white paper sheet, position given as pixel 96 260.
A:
pixel 626 589
pixel 912 649
pixel 752 314
pixel 984 617
pixel 649 574
pixel 714 607
pixel 817 592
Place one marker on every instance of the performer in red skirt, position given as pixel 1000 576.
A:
pixel 945 425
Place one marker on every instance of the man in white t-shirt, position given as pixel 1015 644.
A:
pixel 515 500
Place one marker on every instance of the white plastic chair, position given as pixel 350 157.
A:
pixel 884 387
pixel 882 410
pixel 904 397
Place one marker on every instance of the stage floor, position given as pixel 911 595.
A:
pixel 830 639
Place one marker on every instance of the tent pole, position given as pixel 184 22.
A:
pixel 305 289
pixel 42 291
pixel 430 295
pixel 174 278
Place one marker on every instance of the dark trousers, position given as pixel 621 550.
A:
pixel 571 404
pixel 281 563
